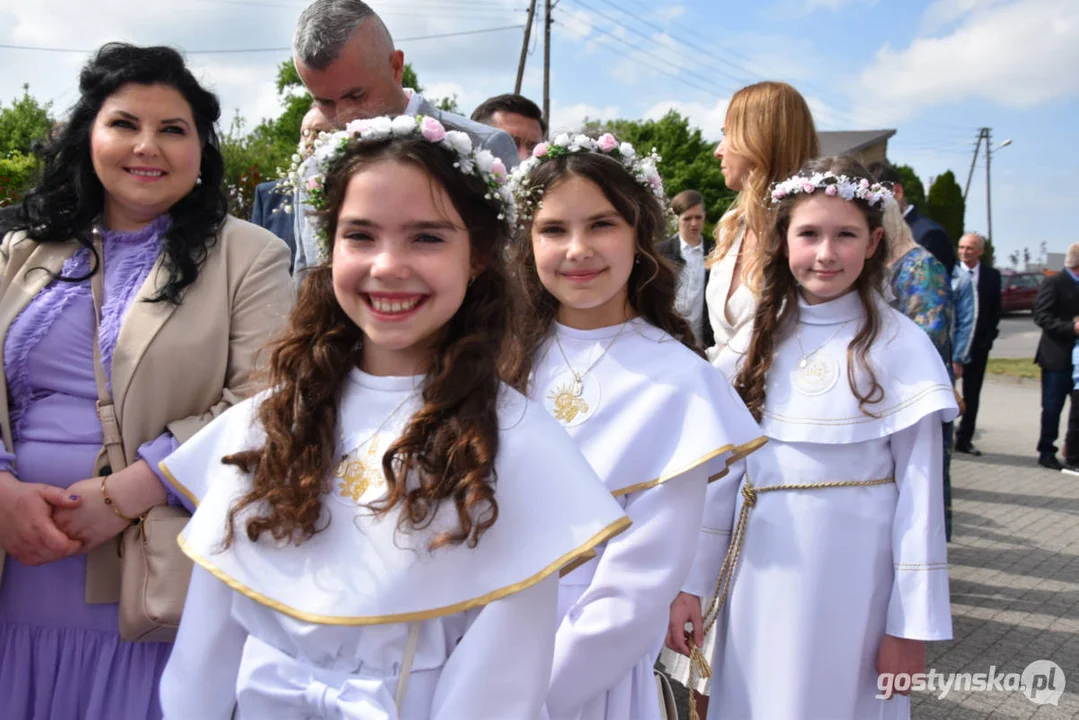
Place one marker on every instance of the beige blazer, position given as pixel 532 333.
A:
pixel 174 367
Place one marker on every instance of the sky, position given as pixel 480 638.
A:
pixel 934 70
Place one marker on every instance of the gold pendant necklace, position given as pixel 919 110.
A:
pixel 358 475
pixel 578 377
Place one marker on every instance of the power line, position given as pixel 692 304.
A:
pixel 462 33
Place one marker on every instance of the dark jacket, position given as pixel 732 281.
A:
pixel 932 237
pixel 266 212
pixel 987 327
pixel 1055 310
pixel 671 249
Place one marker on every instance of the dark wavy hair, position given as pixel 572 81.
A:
pixel 68 198
pixel 652 282
pixel 449 445
pixel 777 309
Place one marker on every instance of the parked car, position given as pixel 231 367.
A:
pixel 1018 290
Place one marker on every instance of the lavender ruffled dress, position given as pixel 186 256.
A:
pixel 60 658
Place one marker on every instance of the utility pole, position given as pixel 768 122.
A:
pixel 981 134
pixel 988 189
pixel 524 47
pixel 547 63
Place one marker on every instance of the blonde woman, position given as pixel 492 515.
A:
pixel 767 135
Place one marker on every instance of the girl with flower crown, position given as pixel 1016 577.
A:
pixel 837 569
pixel 598 343
pixel 373 527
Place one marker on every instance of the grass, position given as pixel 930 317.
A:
pixel 1014 367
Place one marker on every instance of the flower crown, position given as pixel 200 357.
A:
pixel 329 149
pixel 643 168
pixel 834 186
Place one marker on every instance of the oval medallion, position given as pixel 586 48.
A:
pixel 567 406
pixel 817 376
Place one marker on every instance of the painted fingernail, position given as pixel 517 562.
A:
pixel 73 497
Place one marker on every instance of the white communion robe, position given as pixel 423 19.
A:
pixel 823 574
pixel 657 423
pixel 319 629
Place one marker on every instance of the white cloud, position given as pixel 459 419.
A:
pixel 1017 54
pixel 709 118
pixel 671 12
pixel 834 4
pixel 943 13
pixel 571 117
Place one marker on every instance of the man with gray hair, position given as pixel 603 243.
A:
pixel 986 282
pixel 347 60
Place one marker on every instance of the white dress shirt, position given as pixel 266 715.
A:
pixel 689 298
pixel 975 273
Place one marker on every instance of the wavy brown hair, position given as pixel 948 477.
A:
pixel 651 283
pixel 447 451
pixel 770 124
pixel 777 309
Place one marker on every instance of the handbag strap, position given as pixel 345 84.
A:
pixel 106 411
pixel 406 663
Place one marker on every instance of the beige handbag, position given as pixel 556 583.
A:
pixel 667 708
pixel 154 572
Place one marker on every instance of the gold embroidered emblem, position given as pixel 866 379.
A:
pixel 567 404
pixel 359 475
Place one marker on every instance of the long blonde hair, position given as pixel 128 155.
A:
pixel 770 124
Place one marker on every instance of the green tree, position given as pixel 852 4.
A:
pixel 687 162
pixel 23 124
pixel 946 205
pixel 913 190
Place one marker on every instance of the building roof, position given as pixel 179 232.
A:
pixel 839 142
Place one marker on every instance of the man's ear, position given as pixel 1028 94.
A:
pixel 397 64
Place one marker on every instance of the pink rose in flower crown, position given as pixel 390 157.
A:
pixel 432 129
pixel 314 182
pixel 356 127
pixel 831 190
pixel 498 169
pixel 540 151
pixel 606 142
pixel 808 187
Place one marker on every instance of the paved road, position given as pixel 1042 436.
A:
pixel 1018 337
pixel 1014 567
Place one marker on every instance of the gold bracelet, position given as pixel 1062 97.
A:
pixel 111 504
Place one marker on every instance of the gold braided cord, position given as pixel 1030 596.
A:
pixel 699 665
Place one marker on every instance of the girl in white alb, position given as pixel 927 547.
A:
pixel 598 343
pixel 837 570
pixel 379 535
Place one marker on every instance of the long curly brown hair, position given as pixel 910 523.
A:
pixel 449 446
pixel 651 284
pixel 777 309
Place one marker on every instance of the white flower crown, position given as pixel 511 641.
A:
pixel 329 148
pixel 834 186
pixel 643 167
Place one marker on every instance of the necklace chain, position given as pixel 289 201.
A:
pixel 578 377
pixel 807 355
pixel 373 435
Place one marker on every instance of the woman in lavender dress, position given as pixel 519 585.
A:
pixel 189 297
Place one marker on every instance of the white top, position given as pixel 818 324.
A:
pixel 321 626
pixel 689 297
pixel 728 312
pixel 657 423
pixel 825 572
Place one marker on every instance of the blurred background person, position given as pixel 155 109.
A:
pixel 268 208
pixel 516 115
pixel 687 249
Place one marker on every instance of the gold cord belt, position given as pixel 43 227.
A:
pixel 698 663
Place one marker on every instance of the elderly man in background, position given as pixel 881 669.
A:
pixel 1056 312
pixel 346 58
pixel 266 210
pixel 518 116
pixel 986 281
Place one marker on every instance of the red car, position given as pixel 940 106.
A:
pixel 1018 290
